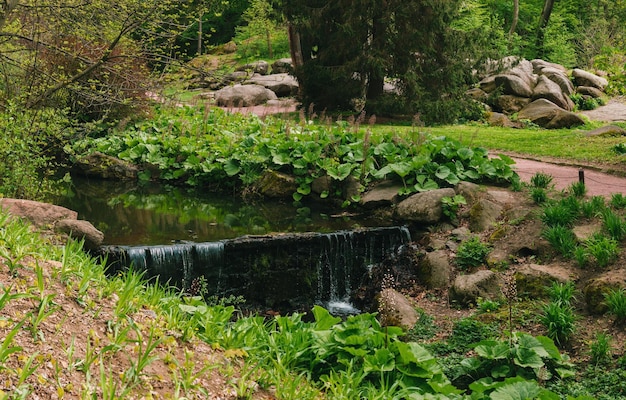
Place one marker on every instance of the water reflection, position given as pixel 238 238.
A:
pixel 152 214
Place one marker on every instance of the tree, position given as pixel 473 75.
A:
pixel 544 18
pixel 90 57
pixel 349 48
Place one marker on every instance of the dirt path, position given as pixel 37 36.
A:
pixel 613 111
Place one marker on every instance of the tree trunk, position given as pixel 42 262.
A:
pixel 543 23
pixel 515 18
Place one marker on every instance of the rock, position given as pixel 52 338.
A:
pixel 237 76
pixel 547 114
pixel 351 188
pixel 81 230
pixel 499 119
pixel 539 66
pixel 423 207
pixel 103 166
pixel 37 213
pixel 322 184
pixel 524 70
pixel 257 67
pixel 559 77
pixel 596 288
pixel 396 310
pixel 383 194
pixel 282 84
pixel 584 232
pixel 461 234
pixel 466 289
pixel 435 270
pixel 229 48
pixel 477 94
pixel 243 96
pixel 533 280
pixel 282 66
pixel 484 214
pixel 470 191
pixel 590 91
pixel 547 89
pixel 513 85
pixel 608 130
pixel 488 84
pixel 584 78
pixel 276 184
pixel 510 104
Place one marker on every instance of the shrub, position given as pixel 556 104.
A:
pixel 593 207
pixel 539 195
pixel 466 332
pixel 562 292
pixel 472 253
pixel 562 213
pixel 600 349
pixel 562 239
pixel 618 200
pixel 578 189
pixel 560 321
pixel 604 250
pixel 615 300
pixel 541 180
pixel 614 225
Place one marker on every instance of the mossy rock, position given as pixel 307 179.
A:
pixel 596 288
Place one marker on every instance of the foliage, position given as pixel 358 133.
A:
pixel 561 238
pixel 199 146
pixel 472 253
pixel 559 319
pixel 563 212
pixel 261 36
pixel 585 102
pixel 541 180
pixel 450 205
pixel 539 195
pixel 28 142
pixel 618 200
pixel 602 249
pixel 613 224
pixel 593 207
pixel 423 329
pixel 615 300
pixel 524 356
pixel 578 189
pixel 600 349
pixel 562 292
pixel 466 332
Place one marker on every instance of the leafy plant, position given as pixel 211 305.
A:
pixel 538 195
pixel 593 207
pixel 560 321
pixel 562 239
pixel 615 300
pixel 563 293
pixel 603 250
pixel 613 224
pixel 618 200
pixel 619 148
pixel 541 180
pixel 472 253
pixel 578 189
pixel 450 205
pixel 561 213
pixel 600 349
pixel 488 306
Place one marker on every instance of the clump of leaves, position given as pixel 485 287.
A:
pixel 578 189
pixel 559 320
pixel 472 253
pixel 619 148
pixel 562 292
pixel 618 200
pixel 539 195
pixel 541 180
pixel 602 249
pixel 600 349
pixel 593 207
pixel 450 205
pixel 613 224
pixel 562 239
pixel 615 300
pixel 562 213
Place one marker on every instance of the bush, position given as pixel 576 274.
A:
pixel 615 300
pixel 562 239
pixel 472 253
pixel 541 180
pixel 560 321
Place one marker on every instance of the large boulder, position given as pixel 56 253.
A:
pixel 559 77
pixel 37 213
pixel 276 184
pixel 282 65
pixel 99 165
pixel 282 84
pixel 258 67
pixel 510 104
pixel 590 91
pixel 466 289
pixel 81 230
pixel 533 280
pixel 539 66
pixel 596 289
pixel 585 78
pixel 546 114
pixel 383 194
pixel 513 85
pixel 435 270
pixel 243 96
pixel 423 207
pixel 395 309
pixel 550 90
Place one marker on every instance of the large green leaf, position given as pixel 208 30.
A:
pixel 323 319
pixel 492 349
pixel 232 167
pixel 382 360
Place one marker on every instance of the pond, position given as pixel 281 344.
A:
pixel 157 214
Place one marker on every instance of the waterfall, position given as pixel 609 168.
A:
pixel 280 272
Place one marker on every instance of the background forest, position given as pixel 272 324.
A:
pixel 69 69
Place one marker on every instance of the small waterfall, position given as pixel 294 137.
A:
pixel 281 272
pixel 342 254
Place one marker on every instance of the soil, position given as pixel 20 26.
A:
pixel 78 328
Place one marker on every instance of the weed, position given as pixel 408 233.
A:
pixel 578 189
pixel 562 292
pixel 600 349
pixel 472 253
pixel 593 207
pixel 604 250
pixel 558 214
pixel 613 224
pixel 619 148
pixel 541 180
pixel 468 331
pixel 560 321
pixel 618 200
pixel 488 306
pixel 450 206
pixel 144 355
pixel 423 329
pixel 615 300
pixel 538 195
pixel 581 256
pixel 562 239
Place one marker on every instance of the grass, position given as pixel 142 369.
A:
pixel 568 144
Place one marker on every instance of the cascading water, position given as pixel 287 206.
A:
pixel 281 272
